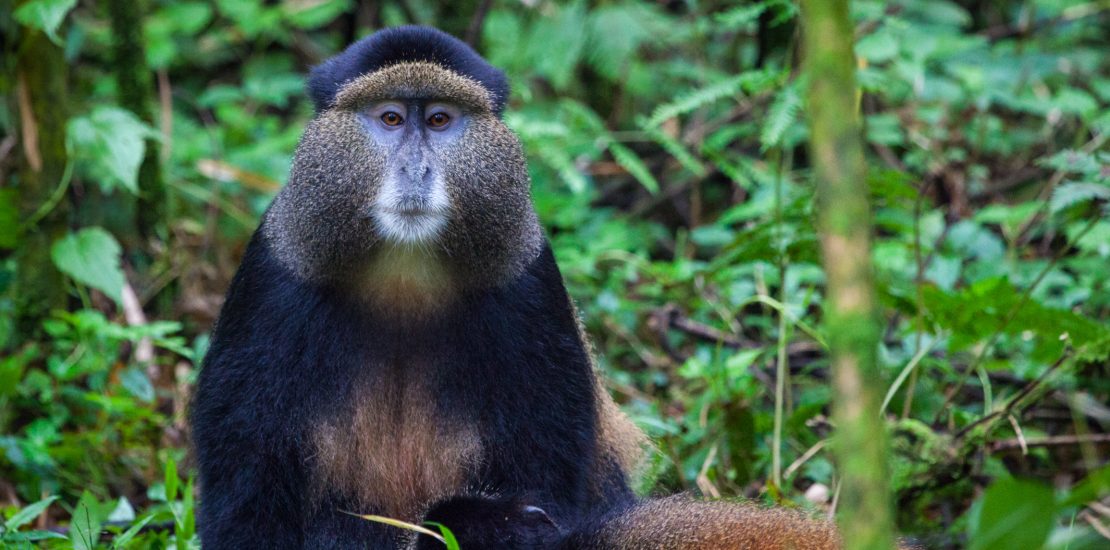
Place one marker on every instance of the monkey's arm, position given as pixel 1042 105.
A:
pixel 682 523
pixel 673 523
pixel 252 482
pixel 244 419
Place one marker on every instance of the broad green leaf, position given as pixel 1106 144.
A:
pixel 27 513
pixel 879 46
pixel 91 257
pixel 1093 487
pixel 110 142
pixel 84 528
pixel 163 28
pixel 135 381
pixel 45 15
pixel 1013 513
pixel 1075 102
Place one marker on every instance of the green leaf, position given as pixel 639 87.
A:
pixel 556 43
pixel 739 17
pixel 84 529
pixel 45 15
pixel 125 538
pixel 562 163
pixel 613 35
pixel 1072 160
pixel 171 480
pixel 1013 513
pixel 879 46
pixel 110 142
pixel 1093 487
pixel 1075 102
pixel 674 147
pixel 91 257
pixel 630 161
pixel 697 98
pixel 33 535
pixel 783 113
pixel 135 381
pixel 27 513
pixel 448 537
pixel 1073 193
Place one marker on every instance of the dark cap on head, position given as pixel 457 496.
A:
pixel 400 45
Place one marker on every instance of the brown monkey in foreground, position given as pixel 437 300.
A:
pixel 398 331
pixel 398 335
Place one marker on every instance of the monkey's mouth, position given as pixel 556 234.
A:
pixel 412 211
pixel 409 224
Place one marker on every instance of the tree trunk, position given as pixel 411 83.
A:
pixel 39 103
pixel 133 79
pixel 851 321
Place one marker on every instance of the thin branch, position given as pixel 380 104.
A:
pixel 1013 402
pixel 1050 441
pixel 474 30
pixel 1010 316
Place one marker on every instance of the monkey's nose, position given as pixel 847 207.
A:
pixel 415 171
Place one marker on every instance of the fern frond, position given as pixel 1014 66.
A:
pixel 1073 193
pixel 674 147
pixel 783 112
pixel 630 161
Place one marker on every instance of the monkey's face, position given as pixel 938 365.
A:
pixel 410 165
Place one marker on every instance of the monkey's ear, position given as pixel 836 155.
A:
pixel 400 45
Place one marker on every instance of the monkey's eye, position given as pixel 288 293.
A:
pixel 438 120
pixel 391 118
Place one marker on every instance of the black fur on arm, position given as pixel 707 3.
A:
pixel 253 411
pixel 405 44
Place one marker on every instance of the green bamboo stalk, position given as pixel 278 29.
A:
pixel 851 321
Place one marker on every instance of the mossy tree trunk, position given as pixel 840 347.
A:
pixel 38 101
pixel 134 83
pixel 851 321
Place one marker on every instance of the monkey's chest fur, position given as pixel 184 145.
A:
pixel 391 450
